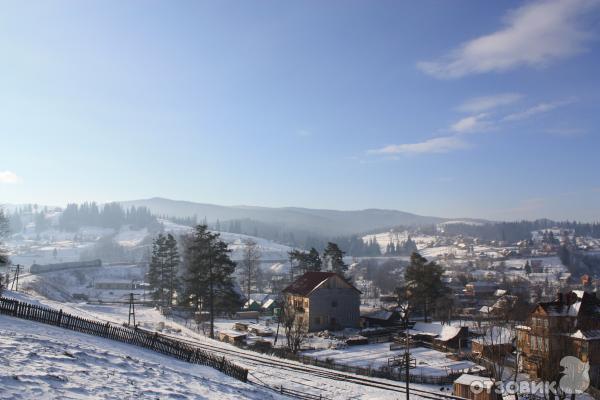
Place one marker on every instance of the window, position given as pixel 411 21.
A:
pixel 334 303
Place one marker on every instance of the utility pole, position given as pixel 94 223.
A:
pixel 15 282
pixel 131 310
pixel 407 356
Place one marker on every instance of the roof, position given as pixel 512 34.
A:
pixel 268 303
pixel 468 380
pixel 496 335
pixel 378 314
pixel 587 335
pixel 573 304
pixel 441 332
pixel 309 282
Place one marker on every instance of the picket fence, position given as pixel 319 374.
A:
pixel 136 336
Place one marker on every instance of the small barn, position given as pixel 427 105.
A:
pixel 379 318
pixel 474 387
pixel 233 337
pixel 443 335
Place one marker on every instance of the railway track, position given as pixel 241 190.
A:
pixel 259 360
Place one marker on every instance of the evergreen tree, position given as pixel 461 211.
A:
pixel 157 274
pixel 313 261
pixel 424 281
pixel 172 265
pixel 527 268
pixel 334 259
pixel 209 272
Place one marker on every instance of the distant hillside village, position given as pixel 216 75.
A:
pixel 447 305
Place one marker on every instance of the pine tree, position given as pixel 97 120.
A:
pixel 313 261
pixel 424 281
pixel 172 265
pixel 334 258
pixel 209 272
pixel 157 276
pixel 527 268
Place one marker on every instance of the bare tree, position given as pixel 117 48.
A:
pixel 250 264
pixel 293 326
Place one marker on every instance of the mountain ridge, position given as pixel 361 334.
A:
pixel 322 221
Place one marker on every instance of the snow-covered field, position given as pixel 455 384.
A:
pixel 44 362
pixel 287 375
pixel 428 361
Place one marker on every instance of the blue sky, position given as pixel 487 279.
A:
pixel 446 108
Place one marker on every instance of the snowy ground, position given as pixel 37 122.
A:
pixel 429 362
pixel 286 374
pixel 45 362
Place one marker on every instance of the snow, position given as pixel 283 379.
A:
pixel 442 332
pixel 286 373
pixel 42 361
pixel 467 379
pixel 429 362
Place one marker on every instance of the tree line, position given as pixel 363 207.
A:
pixel 521 230
pixel 331 259
pixel 110 215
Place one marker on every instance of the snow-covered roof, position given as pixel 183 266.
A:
pixel 468 380
pixel 268 303
pixel 496 335
pixel 587 335
pixel 441 332
pixel 378 314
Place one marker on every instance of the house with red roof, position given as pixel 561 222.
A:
pixel 324 300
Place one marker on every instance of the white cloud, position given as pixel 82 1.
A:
pixel 485 103
pixel 442 144
pixel 535 34
pixel 470 124
pixel 9 177
pixel 537 109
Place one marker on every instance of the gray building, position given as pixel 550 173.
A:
pixel 324 300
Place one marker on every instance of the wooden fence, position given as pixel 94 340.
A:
pixel 136 336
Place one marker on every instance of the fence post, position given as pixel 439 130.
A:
pixel 60 314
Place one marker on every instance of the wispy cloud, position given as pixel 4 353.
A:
pixel 470 124
pixel 486 103
pixel 9 177
pixel 537 109
pixel 473 124
pixel 442 144
pixel 534 35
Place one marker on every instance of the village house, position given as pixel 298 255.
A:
pixel 569 325
pixel 324 300
pixel 474 387
pixel 446 336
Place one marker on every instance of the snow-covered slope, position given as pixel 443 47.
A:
pixel 45 362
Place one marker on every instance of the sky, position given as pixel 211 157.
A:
pixel 445 108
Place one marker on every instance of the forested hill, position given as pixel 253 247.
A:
pixel 321 222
